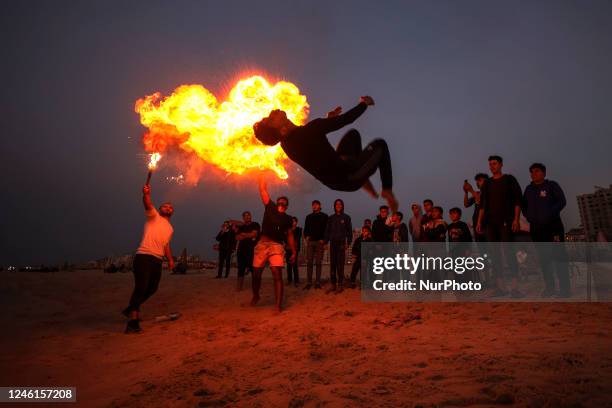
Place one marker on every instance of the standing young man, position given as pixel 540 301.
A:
pixel 543 201
pixel 293 273
pixel 270 248
pixel 346 168
pixel 435 228
pixel 366 236
pixel 227 242
pixel 498 219
pixel 414 225
pixel 155 244
pixel 339 234
pixel 474 200
pixel 400 230
pixel 314 233
pixel 246 235
pixel 428 206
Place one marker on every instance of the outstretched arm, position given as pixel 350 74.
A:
pixel 336 121
pixel 263 191
pixel 146 198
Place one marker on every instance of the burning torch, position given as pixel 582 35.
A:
pixel 154 158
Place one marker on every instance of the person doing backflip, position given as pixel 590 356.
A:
pixel 346 168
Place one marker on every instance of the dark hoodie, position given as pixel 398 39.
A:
pixel 542 203
pixel 339 228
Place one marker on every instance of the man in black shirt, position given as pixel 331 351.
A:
pixel 314 233
pixel 246 235
pixel 498 219
pixel 339 234
pixel 474 200
pixel 543 201
pixel 366 236
pixel 381 230
pixel 293 272
pixel 274 233
pixel 227 242
pixel 458 231
pixel 346 168
pixel 400 229
pixel 428 206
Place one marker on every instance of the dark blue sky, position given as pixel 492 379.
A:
pixel 453 81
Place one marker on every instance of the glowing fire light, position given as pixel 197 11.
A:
pixel 221 133
pixel 154 158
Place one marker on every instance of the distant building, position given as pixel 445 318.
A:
pixel 575 235
pixel 596 213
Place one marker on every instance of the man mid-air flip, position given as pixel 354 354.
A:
pixel 346 168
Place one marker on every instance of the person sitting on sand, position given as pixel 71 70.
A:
pixel 148 259
pixel 275 229
pixel 346 168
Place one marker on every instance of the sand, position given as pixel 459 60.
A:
pixel 64 329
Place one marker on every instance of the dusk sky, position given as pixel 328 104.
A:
pixel 453 82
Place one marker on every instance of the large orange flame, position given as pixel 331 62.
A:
pixel 221 133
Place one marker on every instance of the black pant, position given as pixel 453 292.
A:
pixel 244 259
pixel 500 231
pixel 355 269
pixel 225 256
pixel 553 257
pixel 314 256
pixel 293 274
pixel 363 163
pixel 147 273
pixel 336 262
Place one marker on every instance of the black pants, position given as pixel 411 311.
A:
pixel 225 258
pixel 293 274
pixel 553 257
pixel 501 232
pixel 314 256
pixel 336 262
pixel 363 163
pixel 244 259
pixel 355 269
pixel 147 273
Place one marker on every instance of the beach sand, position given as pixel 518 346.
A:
pixel 65 329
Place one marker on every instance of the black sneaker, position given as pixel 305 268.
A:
pixel 352 285
pixel 133 327
pixel 317 286
pixel 308 286
pixel 332 289
pixel 340 289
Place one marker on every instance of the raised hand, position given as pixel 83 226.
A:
pixel 367 100
pixel 337 111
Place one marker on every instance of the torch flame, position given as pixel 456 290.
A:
pixel 221 133
pixel 154 158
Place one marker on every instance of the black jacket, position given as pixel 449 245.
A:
pixel 314 226
pixel 381 232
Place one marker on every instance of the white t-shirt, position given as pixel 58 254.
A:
pixel 157 234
